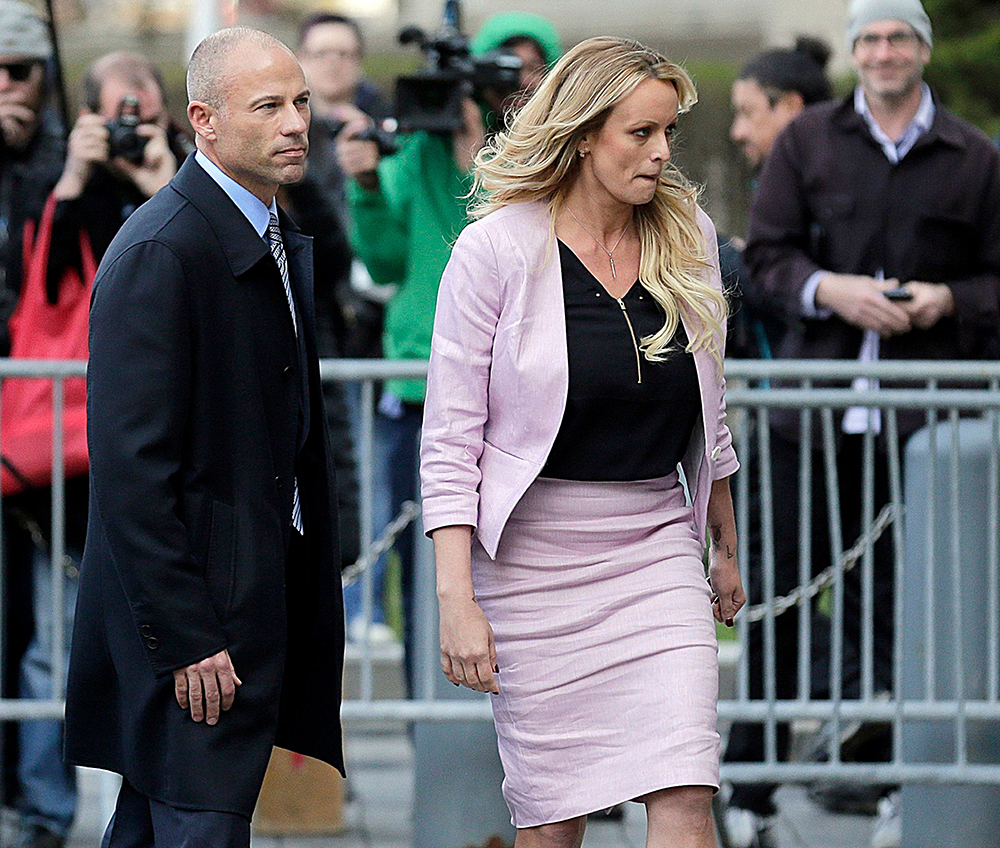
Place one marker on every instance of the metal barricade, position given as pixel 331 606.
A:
pixel 756 390
pixel 58 372
pixel 943 393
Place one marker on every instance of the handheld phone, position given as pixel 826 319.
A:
pixel 898 294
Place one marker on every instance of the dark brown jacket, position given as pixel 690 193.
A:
pixel 830 199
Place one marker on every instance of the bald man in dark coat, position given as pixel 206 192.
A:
pixel 210 620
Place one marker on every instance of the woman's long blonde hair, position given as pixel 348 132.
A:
pixel 536 159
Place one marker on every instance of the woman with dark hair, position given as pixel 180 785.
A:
pixel 772 89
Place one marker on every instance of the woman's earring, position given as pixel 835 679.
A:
pixel 582 153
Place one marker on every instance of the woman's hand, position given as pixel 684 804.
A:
pixel 728 598
pixel 723 571
pixel 468 655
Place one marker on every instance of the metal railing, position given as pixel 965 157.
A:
pixel 952 391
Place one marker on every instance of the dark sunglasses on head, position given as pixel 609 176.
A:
pixel 18 71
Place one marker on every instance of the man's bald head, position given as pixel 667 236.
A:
pixel 208 74
pixel 249 109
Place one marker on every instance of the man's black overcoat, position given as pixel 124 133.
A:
pixel 200 404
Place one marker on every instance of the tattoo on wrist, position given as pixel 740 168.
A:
pixel 716 533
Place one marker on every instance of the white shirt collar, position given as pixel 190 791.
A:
pixel 246 201
pixel 896 149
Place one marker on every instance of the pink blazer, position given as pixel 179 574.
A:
pixel 498 377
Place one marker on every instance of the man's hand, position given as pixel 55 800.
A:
pixel 17 123
pixel 88 145
pixel 358 159
pixel 860 301
pixel 469 140
pixel 158 165
pixel 207 687
pixel 931 302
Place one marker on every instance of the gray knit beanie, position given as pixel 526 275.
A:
pixel 23 31
pixel 865 12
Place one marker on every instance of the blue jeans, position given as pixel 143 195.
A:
pixel 48 785
pixel 394 480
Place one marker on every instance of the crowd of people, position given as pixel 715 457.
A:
pixel 874 234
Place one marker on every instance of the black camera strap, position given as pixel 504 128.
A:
pixel 57 70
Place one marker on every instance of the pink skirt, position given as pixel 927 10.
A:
pixel 606 647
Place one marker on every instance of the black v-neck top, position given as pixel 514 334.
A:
pixel 614 427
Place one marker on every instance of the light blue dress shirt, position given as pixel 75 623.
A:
pixel 259 217
pixel 246 201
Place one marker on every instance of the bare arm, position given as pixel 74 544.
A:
pixel 724 572
pixel 468 655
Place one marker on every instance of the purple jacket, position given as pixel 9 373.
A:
pixel 498 377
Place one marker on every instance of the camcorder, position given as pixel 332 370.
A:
pixel 431 100
pixel 123 140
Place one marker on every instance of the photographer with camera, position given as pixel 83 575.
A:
pixel 330 50
pixel 408 209
pixel 122 150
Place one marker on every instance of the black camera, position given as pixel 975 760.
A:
pixel 432 99
pixel 123 140
pixel 383 134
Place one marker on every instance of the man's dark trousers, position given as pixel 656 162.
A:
pixel 141 822
pixel 746 739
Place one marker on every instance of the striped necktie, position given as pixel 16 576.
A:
pixel 278 251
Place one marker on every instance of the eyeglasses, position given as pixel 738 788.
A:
pixel 18 71
pixel 896 40
pixel 334 53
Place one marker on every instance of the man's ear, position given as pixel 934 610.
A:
pixel 792 102
pixel 200 115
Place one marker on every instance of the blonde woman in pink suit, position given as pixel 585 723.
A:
pixel 576 364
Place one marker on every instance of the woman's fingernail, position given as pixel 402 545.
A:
pixel 496 669
pixel 729 622
pixel 454 684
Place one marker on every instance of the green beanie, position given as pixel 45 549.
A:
pixel 507 25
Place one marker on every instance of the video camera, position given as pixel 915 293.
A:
pixel 432 99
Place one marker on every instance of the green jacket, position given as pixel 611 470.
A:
pixel 403 233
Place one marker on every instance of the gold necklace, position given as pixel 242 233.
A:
pixel 611 258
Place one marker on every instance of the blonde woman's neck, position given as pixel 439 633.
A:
pixel 596 210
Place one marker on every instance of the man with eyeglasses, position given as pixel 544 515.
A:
pixel 330 50
pixel 875 229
